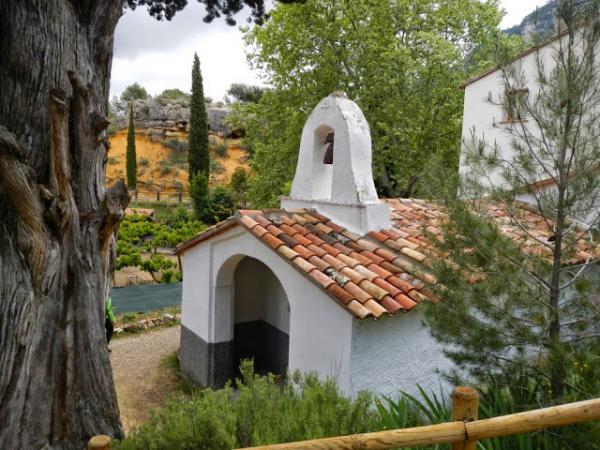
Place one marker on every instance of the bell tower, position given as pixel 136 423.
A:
pixel 333 174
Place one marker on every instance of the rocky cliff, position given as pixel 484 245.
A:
pixel 152 113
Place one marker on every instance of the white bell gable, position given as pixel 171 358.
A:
pixel 344 191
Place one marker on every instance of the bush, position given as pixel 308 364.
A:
pixel 143 162
pixel 221 150
pixel 216 166
pixel 165 167
pixel 260 412
pixel 175 144
pixel 222 202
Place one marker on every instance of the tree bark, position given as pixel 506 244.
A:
pixel 57 223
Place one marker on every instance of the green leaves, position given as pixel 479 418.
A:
pixel 401 61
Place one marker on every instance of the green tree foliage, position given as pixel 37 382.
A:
pixel 222 203
pixel 531 311
pixel 239 185
pixel 402 61
pixel 173 96
pixel 134 92
pixel 245 93
pixel 198 156
pixel 200 196
pixel 131 163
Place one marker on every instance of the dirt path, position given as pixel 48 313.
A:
pixel 141 379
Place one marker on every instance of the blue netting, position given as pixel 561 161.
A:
pixel 146 297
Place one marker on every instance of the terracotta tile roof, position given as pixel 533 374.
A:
pixel 383 272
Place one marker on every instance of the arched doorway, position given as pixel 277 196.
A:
pixel 261 318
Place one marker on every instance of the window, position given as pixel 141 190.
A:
pixel 515 105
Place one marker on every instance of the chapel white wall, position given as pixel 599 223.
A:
pixel 395 354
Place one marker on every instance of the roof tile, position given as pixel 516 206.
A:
pixel 348 260
pixel 248 221
pixel 359 310
pixel 385 254
pixel 379 271
pixel 306 253
pixel 259 231
pixel 272 241
pixel 321 278
pixel 400 284
pixel 357 292
pixel 336 263
pixel 365 272
pixel 274 230
pixel 353 275
pixel 387 287
pixel 390 304
pixel 376 309
pixel 303 264
pixel 319 263
pixel 287 252
pixel 329 249
pixel 317 240
pixel 287 240
pixel 340 293
pixel 406 302
pixel 373 289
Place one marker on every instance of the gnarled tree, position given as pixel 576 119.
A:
pixel 56 231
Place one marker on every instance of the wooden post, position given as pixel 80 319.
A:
pixel 180 196
pixel 158 196
pixel 465 408
pixel 100 442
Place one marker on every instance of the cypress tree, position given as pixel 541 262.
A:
pixel 130 156
pixel 198 157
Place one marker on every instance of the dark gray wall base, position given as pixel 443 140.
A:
pixel 266 344
pixel 214 364
pixel 203 363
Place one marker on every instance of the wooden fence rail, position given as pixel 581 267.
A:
pixel 463 432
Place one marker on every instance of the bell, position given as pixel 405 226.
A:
pixel 328 157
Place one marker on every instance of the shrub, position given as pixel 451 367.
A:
pixel 175 144
pixel 222 202
pixel 216 166
pixel 221 150
pixel 143 162
pixel 260 412
pixel 165 167
pixel 130 317
pixel 113 160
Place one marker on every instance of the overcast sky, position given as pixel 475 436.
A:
pixel 158 55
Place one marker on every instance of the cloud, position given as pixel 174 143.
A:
pixel 158 55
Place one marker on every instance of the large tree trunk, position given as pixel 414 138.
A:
pixel 56 222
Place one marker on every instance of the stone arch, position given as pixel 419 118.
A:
pixel 251 312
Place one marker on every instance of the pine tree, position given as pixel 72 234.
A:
pixel 531 312
pixel 198 156
pixel 131 161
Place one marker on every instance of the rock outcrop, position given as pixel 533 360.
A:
pixel 154 114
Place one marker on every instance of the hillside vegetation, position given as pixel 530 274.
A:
pixel 162 162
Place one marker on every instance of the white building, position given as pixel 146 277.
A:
pixel 492 113
pixel 331 283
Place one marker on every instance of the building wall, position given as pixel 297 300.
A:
pixel 395 354
pixel 319 329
